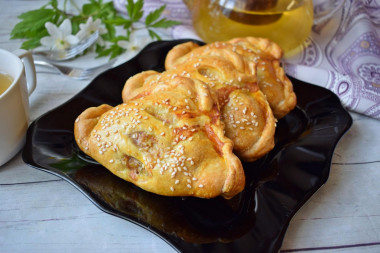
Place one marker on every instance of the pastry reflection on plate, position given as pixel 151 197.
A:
pixel 190 219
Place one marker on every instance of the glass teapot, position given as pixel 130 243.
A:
pixel 286 22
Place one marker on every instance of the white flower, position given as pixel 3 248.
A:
pixel 60 37
pixel 90 27
pixel 133 46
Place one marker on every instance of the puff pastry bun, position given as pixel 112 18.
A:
pixel 248 119
pixel 249 55
pixel 168 140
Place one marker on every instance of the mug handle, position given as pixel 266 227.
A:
pixel 30 69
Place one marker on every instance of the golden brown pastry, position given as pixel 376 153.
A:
pixel 169 141
pixel 245 111
pixel 247 54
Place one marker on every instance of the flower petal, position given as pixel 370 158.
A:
pixel 73 40
pixel 53 30
pixel 47 41
pixel 123 44
pixel 65 27
pixel 81 34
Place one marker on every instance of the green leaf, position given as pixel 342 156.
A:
pixel 34 14
pixel 31 43
pixel 153 35
pixel 154 15
pixel 33 22
pixel 112 51
pixel 134 9
pixel 90 9
pixel 164 23
pixel 119 21
pixel 111 32
pixel 53 3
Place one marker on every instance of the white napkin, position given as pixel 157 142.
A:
pixel 342 53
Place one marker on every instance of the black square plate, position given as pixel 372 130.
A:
pixel 254 221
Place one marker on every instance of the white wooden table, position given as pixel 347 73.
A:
pixel 42 213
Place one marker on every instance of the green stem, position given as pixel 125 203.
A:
pixel 64 5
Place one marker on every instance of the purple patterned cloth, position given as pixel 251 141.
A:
pixel 341 54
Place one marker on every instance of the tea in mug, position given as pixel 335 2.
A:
pixel 5 81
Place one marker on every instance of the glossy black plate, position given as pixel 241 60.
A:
pixel 254 221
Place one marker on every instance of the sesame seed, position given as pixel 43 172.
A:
pixel 171 188
pixel 200 185
pixel 162 134
pixel 111 161
pixel 177 181
pixel 188 186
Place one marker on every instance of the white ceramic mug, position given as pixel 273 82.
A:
pixel 14 102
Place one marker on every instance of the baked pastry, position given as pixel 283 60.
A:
pixel 169 141
pixel 248 119
pixel 250 55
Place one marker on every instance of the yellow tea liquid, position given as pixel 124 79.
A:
pixel 287 22
pixel 5 81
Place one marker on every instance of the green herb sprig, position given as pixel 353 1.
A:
pixel 32 25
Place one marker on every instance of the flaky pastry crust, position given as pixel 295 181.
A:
pixel 258 55
pixel 169 141
pixel 249 120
